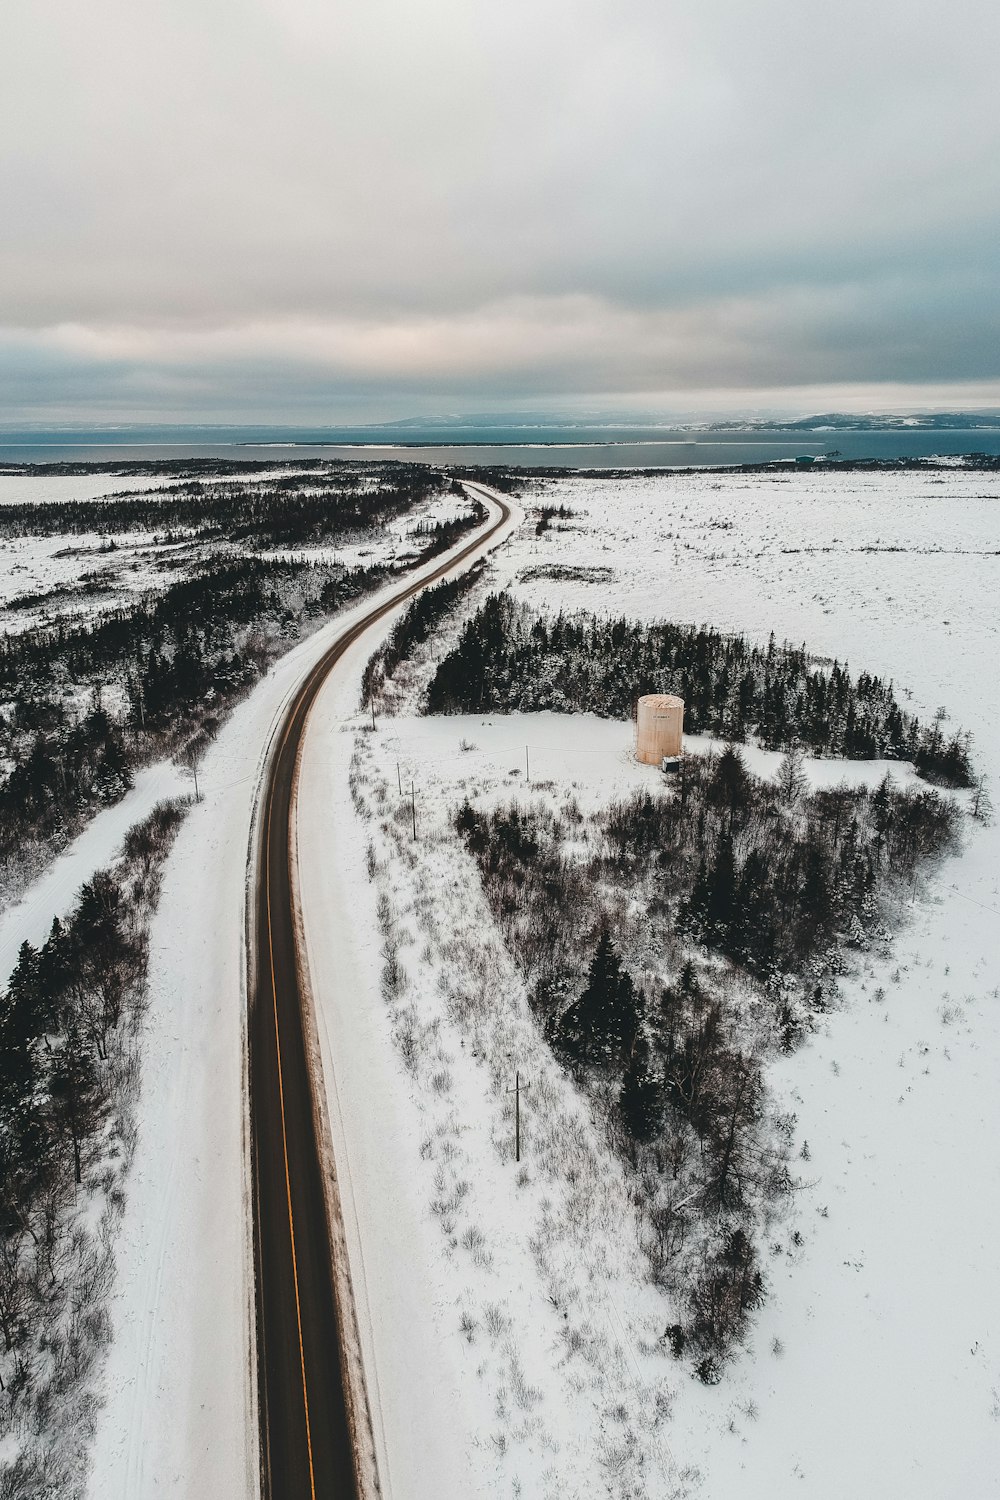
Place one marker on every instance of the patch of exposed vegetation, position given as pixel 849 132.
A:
pixel 564 573
pixel 549 513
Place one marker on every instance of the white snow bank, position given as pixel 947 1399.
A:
pixel 57 489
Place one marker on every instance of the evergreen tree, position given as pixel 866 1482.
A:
pixel 792 782
pixel 722 883
pixel 74 1091
pixel 730 789
pixel 601 1025
pixel 639 1099
pixel 982 806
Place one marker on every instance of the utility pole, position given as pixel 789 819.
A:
pixel 516 1091
pixel 193 758
pixel 527 767
pixel 373 713
pixel 399 778
pixel 413 809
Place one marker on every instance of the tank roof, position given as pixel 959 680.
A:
pixel 662 700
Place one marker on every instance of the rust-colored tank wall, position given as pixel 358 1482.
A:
pixel 659 728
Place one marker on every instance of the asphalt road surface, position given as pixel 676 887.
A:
pixel 305 1442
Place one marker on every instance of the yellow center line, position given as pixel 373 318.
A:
pixel 263 1325
pixel 284 1139
pixel 318 671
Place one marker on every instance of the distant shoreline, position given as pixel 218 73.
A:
pixel 948 437
pixel 194 467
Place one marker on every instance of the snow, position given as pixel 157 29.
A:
pixel 36 564
pixel 443 1227
pixel 413 1378
pixel 50 489
pixel 59 488
pixel 879 568
pixel 384 1109
pixel 888 1315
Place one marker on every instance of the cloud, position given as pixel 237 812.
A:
pixel 463 197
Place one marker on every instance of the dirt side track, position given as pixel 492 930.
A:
pixel 309 1408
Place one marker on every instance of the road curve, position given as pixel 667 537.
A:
pixel 305 1407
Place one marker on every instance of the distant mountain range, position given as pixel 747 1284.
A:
pixel 541 426
pixel 835 421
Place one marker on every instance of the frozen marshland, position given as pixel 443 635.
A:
pixel 513 1342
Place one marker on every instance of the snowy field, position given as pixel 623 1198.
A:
pixel 49 572
pixel 47 489
pixel 548 757
pixel 874 1368
pixel 50 489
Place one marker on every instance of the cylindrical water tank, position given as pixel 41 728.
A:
pixel 659 727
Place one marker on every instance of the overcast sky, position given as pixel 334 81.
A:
pixel 348 209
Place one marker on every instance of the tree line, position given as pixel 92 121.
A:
pixel 510 657
pixel 417 623
pixel 175 663
pixel 68 1023
pixel 287 512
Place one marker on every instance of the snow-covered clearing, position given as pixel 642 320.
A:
pixel 44 489
pixel 874 1368
pixel 34 566
pixel 548 755
pixel 57 489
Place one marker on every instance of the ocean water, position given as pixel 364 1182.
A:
pixel 545 448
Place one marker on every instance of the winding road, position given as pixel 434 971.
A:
pixel 307 1409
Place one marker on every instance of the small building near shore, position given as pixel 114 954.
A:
pixel 659 728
